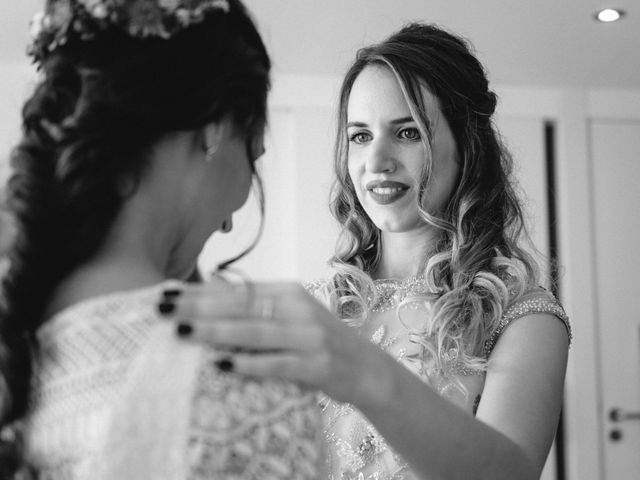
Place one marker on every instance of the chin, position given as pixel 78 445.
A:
pixel 392 223
pixel 195 276
pixel 398 225
pixel 395 229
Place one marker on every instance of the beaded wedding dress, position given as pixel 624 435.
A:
pixel 116 396
pixel 355 450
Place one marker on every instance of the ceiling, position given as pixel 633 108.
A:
pixel 533 43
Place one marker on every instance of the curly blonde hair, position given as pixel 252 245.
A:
pixel 477 266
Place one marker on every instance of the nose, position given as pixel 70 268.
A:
pixel 381 157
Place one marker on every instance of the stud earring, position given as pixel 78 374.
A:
pixel 226 226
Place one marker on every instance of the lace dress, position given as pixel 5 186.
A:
pixel 116 396
pixel 355 450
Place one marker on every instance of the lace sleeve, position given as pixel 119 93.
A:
pixel 536 301
pixel 319 289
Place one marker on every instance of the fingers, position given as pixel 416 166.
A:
pixel 204 303
pixel 281 319
pixel 217 288
pixel 285 302
pixel 308 370
pixel 253 335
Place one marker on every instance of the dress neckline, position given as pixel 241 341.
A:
pixel 406 282
pixel 391 292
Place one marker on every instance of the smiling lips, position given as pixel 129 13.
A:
pixel 386 192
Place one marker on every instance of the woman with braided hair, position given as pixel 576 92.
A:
pixel 139 141
pixel 440 355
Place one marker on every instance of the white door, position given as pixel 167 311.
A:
pixel 615 148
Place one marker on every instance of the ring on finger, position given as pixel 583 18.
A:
pixel 266 309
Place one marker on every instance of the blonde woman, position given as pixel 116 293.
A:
pixel 440 355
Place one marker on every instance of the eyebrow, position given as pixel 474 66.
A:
pixel 396 121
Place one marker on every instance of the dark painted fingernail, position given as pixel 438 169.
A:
pixel 166 307
pixel 171 293
pixel 225 364
pixel 184 329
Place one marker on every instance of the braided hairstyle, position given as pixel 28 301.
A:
pixel 97 109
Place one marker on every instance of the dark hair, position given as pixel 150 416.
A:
pixel 478 252
pixel 96 111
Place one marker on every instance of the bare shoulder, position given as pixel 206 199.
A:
pixel 534 334
pixel 524 385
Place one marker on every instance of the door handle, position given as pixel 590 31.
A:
pixel 619 415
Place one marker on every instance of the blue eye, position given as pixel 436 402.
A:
pixel 360 137
pixel 411 134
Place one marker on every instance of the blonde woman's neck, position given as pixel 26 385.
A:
pixel 403 253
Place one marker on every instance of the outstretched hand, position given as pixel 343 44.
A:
pixel 276 330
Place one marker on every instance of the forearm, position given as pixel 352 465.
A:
pixel 436 438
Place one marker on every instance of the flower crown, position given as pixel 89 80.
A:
pixel 84 19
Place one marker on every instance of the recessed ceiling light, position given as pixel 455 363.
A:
pixel 608 15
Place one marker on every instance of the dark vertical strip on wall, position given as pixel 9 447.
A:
pixel 550 160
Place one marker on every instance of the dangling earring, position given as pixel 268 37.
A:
pixel 210 152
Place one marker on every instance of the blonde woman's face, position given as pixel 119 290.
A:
pixel 387 154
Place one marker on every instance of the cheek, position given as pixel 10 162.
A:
pixel 353 173
pixel 358 190
pixel 238 181
pixel 441 186
pixel 243 184
pixel 229 186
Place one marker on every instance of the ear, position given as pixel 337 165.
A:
pixel 213 134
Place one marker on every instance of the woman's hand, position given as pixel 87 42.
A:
pixel 278 330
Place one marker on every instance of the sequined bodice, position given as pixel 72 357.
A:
pixel 116 395
pixel 356 451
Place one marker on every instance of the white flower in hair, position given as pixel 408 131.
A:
pixel 84 19
pixel 170 5
pixel 220 5
pixel 91 4
pixel 96 8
